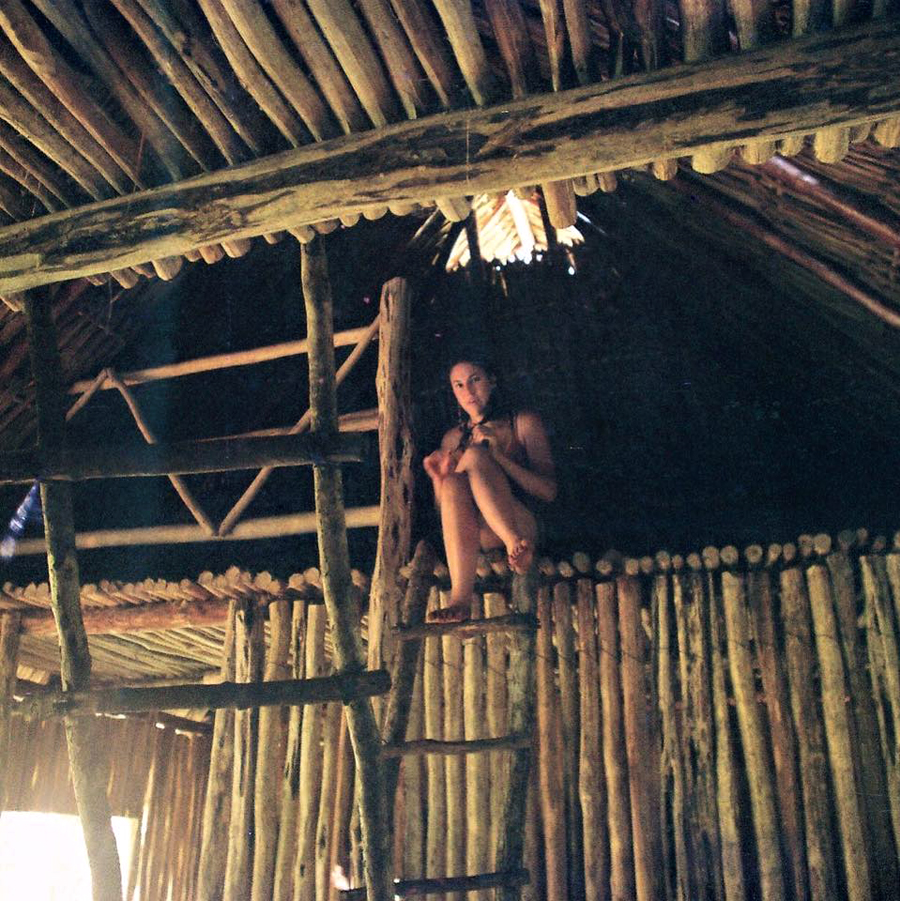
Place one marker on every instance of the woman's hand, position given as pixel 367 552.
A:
pixel 440 463
pixel 486 435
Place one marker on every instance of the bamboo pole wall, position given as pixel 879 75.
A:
pixel 721 727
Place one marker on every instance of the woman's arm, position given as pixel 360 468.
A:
pixel 539 477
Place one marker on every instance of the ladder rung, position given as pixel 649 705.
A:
pixel 404 888
pixel 447 748
pixel 510 622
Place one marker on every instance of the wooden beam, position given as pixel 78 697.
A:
pixel 461 746
pixel 842 77
pixel 407 888
pixel 234 695
pixel 510 622
pixel 217 361
pixel 343 613
pixel 88 762
pixel 38 621
pixel 250 530
pixel 75 464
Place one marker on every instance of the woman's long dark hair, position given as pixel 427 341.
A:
pixel 497 407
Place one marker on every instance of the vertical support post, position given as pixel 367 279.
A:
pixel 337 585
pixel 9 655
pixel 395 451
pixel 522 698
pixel 217 805
pixel 86 759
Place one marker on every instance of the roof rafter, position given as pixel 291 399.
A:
pixel 841 78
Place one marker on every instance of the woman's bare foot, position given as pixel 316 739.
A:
pixel 455 613
pixel 520 556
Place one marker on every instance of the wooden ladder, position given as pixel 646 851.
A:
pixel 510 875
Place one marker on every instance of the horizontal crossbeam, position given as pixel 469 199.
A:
pixel 511 622
pixel 180 458
pixel 408 888
pixel 842 77
pixel 345 687
pixel 450 748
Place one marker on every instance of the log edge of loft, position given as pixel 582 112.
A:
pixel 814 82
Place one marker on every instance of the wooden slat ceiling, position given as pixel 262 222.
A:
pixel 100 98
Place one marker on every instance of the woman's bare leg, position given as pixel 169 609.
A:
pixel 493 497
pixel 461 526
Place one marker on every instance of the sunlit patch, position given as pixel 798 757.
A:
pixel 43 858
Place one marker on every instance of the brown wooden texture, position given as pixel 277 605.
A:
pixel 592 789
pixel 622 883
pixel 842 78
pixel 640 742
pixel 217 455
pixel 838 733
pixel 551 766
pixel 217 803
pixel 249 655
pixel 813 763
pixel 770 653
pixel 9 655
pixel 395 446
pixel 88 765
pixel 436 828
pixel 270 758
pixel 336 580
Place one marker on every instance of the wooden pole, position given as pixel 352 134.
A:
pixel 672 769
pixel 184 457
pixel 550 757
pixel 436 804
pixel 409 888
pixel 217 805
pixel 282 889
pixel 476 787
pixel 270 759
pixel 238 695
pixel 759 776
pixel 215 362
pixel 403 672
pixel 510 622
pixel 566 666
pixel 248 653
pixel 781 728
pixel 87 760
pixel 600 127
pixel 693 616
pixel 590 763
pixel 325 827
pixel 309 778
pixel 838 735
pixel 800 663
pixel 454 765
pixel 640 742
pixel 9 655
pixel 615 763
pixel 882 626
pixel 727 797
pixel 496 712
pixel 249 530
pixel 336 579
pixel 511 809
pixel 395 450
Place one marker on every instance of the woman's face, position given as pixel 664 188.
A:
pixel 472 388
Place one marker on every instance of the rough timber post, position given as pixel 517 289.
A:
pixel 336 581
pixel 395 451
pixel 9 655
pixel 86 758
pixel 522 697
